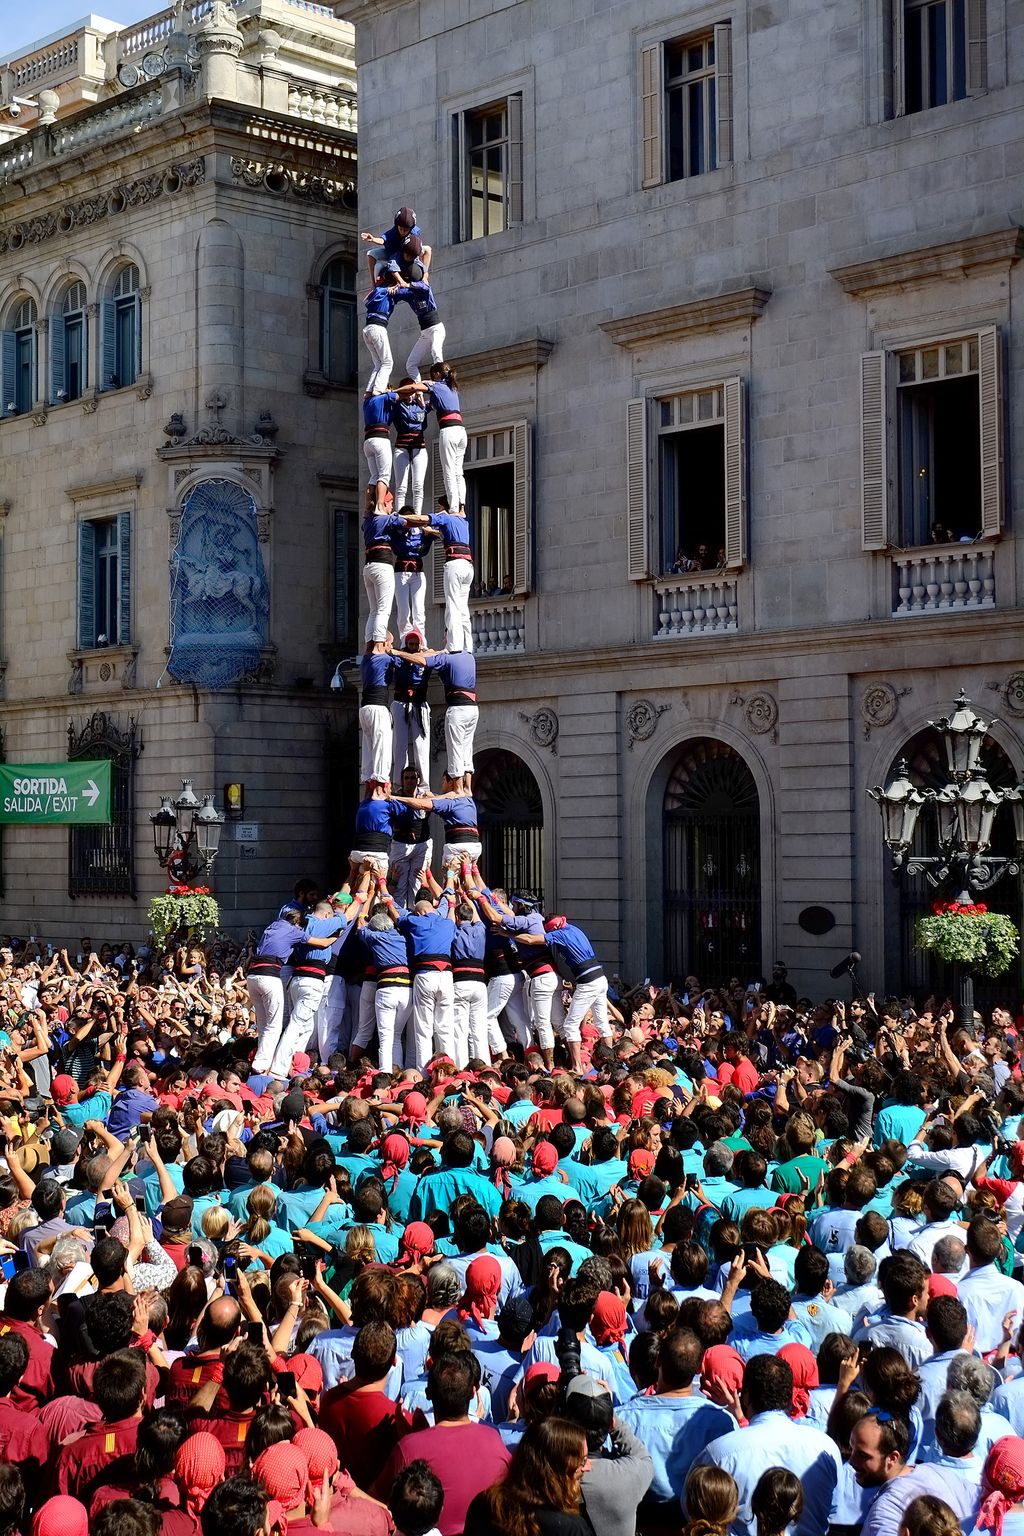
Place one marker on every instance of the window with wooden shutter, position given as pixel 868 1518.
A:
pixel 57 386
pixel 108 346
pixel 991 429
pixel 8 369
pixel 522 550
pixel 723 93
pixel 124 604
pixel 977 49
pixel 344 568
pixel 873 452
pixel 899 60
pixel 514 192
pixel 637 513
pixel 86 585
pixel 651 127
pixel 735 473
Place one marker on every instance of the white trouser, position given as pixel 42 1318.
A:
pixel 470 1022
pixel 266 993
pixel 458 627
pixel 544 1000
pixel 460 722
pixel 378 862
pixel 379 459
pixel 505 994
pixel 393 1006
pixel 410 475
pixel 329 1018
pixel 411 600
pixel 588 997
pixel 429 348
pixel 379 584
pixel 411 737
pixel 379 348
pixel 451 445
pixel 408 861
pixel 375 742
pixel 433 1020
pixel 304 994
pixel 462 853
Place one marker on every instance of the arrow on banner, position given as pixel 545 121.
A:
pixel 90 791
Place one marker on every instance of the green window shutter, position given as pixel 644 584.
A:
pixel 108 346
pixel 86 586
pixel 124 575
pixel 56 356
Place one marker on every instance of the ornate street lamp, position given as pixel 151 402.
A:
pixel 186 834
pixel 965 810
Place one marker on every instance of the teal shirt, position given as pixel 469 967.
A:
pixel 898 1122
pixel 151 1186
pixel 97 1107
pixel 295 1207
pixel 576 1252
pixel 594 1180
pixel 736 1205
pixel 238 1200
pixel 530 1191
pixel 437 1191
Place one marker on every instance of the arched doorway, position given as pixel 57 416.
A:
pixel 910 896
pixel 511 823
pixel 711 882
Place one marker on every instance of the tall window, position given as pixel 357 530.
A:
pixel 338 322
pixel 499 507
pixel 940 51
pixel 346 567
pixel 122 330
pixel 19 359
pixel 932 442
pixel 686 106
pixel 69 346
pixel 104 581
pixel 690 107
pixel 511 822
pixel 490 500
pixel 487 169
pixel 101 860
pixel 689 451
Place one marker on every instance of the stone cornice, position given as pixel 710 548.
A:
pixel 735 306
pixel 512 357
pixel 955 259
pixel 104 488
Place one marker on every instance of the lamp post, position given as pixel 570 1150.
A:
pixel 964 811
pixel 186 834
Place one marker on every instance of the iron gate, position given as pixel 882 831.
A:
pixel 511 823
pixel 712 866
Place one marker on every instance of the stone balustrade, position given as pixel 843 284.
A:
pixel 321 104
pixel 499 629
pixel 686 605
pixel 943 579
pixel 37 68
pixel 130 110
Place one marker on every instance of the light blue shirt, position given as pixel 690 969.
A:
pixel 776 1440
pixel 1009 1401
pixel 857 1301
pixel 932 1375
pixel 988 1296
pixel 905 1334
pixel 675 1431
pixel 511 1279
pixel 885 1514
pixel 594 1363
pixel 749 1341
pixel 333 1349
pixel 820 1318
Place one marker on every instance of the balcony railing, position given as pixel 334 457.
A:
pixel 685 606
pixel 129 110
pixel 499 630
pixel 320 104
pixel 944 579
pixel 37 68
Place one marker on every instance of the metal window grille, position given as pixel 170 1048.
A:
pixel 511 823
pixel 101 860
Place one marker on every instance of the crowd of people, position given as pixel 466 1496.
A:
pixel 730 1263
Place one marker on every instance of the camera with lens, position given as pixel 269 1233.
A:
pixel 567 1351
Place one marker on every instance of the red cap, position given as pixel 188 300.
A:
pixel 62 1088
pixel 540 1372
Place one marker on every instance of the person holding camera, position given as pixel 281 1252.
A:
pixel 619 1469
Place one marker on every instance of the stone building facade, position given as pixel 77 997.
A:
pixel 734 289
pixel 178 461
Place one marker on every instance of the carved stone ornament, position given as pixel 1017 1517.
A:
pixel 89 210
pixel 1011 692
pixel 175 427
pixel 543 726
pixel 879 706
pixel 91 405
pixel 273 177
pixel 128 671
pixel 106 671
pixel 77 677
pixel 642 720
pixel 263 526
pixel 760 714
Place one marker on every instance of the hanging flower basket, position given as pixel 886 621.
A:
pixel 189 910
pixel 970 935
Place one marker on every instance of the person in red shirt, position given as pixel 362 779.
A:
pixel 22 1438
pixel 246 1380
pixel 362 1421
pixel 27 1295
pixel 352 1513
pixel 119 1388
pixel 198 1469
pixel 466 1456
pixel 744 1075
pixel 219 1325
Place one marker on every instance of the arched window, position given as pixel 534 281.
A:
pixel 19 358
pixel 511 823
pixel 711 884
pixel 69 346
pixel 121 330
pixel 338 322
pixel 911 896
pixel 219 599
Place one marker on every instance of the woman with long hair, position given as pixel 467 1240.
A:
pixel 186 1302
pixel 777 1502
pixel 541 1492
pixel 711 1500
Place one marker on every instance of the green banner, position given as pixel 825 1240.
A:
pixel 56 794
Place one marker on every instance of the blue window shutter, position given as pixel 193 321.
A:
pixel 86 586
pixel 124 573
pixel 8 368
pixel 108 344
pixel 137 359
pixel 56 356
